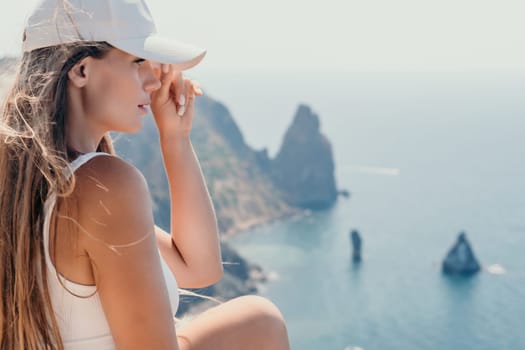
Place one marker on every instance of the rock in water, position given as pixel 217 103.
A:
pixel 460 259
pixel 356 245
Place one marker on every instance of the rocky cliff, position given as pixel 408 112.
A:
pixel 304 166
pixel 246 186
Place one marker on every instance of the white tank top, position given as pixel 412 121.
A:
pixel 82 322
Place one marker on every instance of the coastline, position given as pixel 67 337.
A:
pixel 248 225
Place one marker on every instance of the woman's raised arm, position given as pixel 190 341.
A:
pixel 193 253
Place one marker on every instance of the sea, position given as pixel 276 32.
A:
pixel 424 155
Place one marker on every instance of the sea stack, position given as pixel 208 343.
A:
pixel 461 260
pixel 356 245
pixel 304 168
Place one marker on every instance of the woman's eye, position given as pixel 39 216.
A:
pixel 139 61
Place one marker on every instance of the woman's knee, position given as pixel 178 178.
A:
pixel 249 321
pixel 262 306
pixel 266 316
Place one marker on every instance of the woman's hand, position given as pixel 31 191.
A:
pixel 173 104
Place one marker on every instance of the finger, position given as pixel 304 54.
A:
pixel 197 89
pixel 178 92
pixel 183 97
pixel 189 104
pixel 165 80
pixel 180 89
pixel 177 89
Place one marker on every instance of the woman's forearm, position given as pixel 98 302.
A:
pixel 193 222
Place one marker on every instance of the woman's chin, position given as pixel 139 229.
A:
pixel 137 129
pixel 133 128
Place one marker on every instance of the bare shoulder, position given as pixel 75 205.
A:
pixel 113 199
pixel 108 170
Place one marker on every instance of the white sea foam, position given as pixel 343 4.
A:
pixel 377 170
pixel 353 348
pixel 261 288
pixel 273 276
pixel 496 269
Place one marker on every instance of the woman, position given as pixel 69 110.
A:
pixel 81 257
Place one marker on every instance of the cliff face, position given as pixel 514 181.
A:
pixel 243 194
pixel 304 167
pixel 246 186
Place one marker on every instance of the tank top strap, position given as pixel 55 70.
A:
pixel 77 163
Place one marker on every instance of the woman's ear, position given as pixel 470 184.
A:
pixel 79 74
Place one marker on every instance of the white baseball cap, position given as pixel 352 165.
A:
pixel 124 24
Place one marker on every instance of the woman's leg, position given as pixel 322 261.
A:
pixel 244 323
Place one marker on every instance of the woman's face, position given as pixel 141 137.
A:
pixel 118 87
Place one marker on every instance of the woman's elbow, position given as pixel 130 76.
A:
pixel 219 273
pixel 216 274
pixel 208 278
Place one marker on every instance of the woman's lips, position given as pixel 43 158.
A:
pixel 144 108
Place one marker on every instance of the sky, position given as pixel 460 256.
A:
pixel 333 35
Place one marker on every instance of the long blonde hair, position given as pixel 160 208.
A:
pixel 34 157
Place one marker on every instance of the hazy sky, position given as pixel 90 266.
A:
pixel 333 35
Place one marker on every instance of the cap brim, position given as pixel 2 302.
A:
pixel 162 50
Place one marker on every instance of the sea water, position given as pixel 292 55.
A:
pixel 424 156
